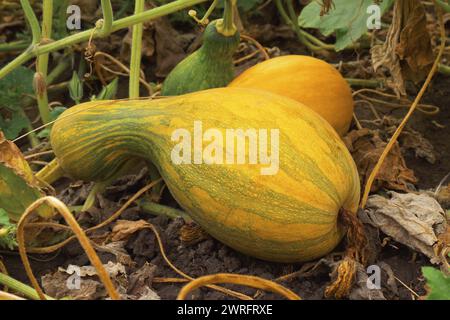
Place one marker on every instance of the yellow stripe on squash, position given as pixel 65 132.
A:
pixel 288 217
pixel 308 80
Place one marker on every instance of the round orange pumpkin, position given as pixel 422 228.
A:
pixel 311 81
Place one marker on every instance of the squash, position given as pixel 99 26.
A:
pixel 308 80
pixel 288 215
pixel 211 66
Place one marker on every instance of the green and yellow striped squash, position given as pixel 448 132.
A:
pixel 291 216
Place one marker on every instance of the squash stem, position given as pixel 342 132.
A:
pixel 226 26
pixel 50 173
pixel 161 210
pixel 99 187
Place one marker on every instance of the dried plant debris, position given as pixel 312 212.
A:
pixel 366 147
pixel 123 229
pixel 415 220
pixel 81 283
pixel 411 139
pixel 361 289
pixel 407 52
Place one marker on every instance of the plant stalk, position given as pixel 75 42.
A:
pixel 108 17
pixel 42 62
pixel 136 53
pixel 14 46
pixel 31 20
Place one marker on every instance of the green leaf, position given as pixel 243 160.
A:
pixel 347 19
pixel 76 88
pixel 4 219
pixel 13 127
pixel 108 92
pixel 7 232
pixel 14 86
pixel 438 284
pixel 16 194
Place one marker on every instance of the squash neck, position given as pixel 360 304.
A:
pixel 216 45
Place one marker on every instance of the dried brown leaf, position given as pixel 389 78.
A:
pixel 415 220
pixel 366 147
pixel 124 228
pixel 407 52
pixel 360 290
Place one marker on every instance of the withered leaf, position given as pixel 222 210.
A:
pixel 366 147
pixel 407 52
pixel 415 220
pixel 124 228
pixel 411 139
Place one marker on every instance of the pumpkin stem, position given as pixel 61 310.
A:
pixel 226 25
pixel 356 253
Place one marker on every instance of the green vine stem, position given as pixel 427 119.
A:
pixel 290 19
pixel 108 17
pixel 205 19
pixel 161 210
pixel 60 67
pixel 14 46
pixel 366 83
pixel 32 138
pixel 155 13
pixel 32 21
pixel 444 69
pixel 19 287
pixel 136 48
pixel 42 62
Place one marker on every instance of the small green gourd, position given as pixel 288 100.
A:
pixel 211 66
